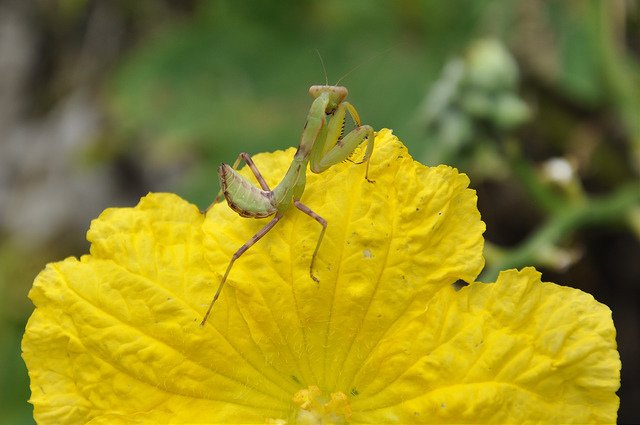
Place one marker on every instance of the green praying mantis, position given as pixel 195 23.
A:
pixel 322 145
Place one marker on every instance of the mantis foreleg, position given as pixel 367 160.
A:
pixel 334 148
pixel 255 238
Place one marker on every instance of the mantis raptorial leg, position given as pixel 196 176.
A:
pixel 322 145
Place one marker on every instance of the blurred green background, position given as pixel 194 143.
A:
pixel 538 101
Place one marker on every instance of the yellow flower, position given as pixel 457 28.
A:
pixel 384 337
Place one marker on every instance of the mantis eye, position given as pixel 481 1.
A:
pixel 316 90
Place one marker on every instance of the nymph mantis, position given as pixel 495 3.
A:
pixel 322 145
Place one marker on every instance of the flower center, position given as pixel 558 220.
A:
pixel 318 408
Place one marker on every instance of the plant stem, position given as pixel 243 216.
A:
pixel 592 211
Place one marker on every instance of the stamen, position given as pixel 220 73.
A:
pixel 318 408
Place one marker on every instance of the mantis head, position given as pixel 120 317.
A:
pixel 336 94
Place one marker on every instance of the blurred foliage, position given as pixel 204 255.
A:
pixel 236 76
pixel 473 102
pixel 470 115
pixel 17 264
pixel 200 81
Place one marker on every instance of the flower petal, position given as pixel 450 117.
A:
pixel 116 336
pixel 117 331
pixel 518 350
pixel 389 246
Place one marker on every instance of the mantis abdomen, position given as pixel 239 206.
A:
pixel 243 197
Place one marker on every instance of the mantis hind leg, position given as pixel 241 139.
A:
pixel 255 238
pixel 305 209
pixel 243 156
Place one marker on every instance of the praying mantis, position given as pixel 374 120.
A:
pixel 322 145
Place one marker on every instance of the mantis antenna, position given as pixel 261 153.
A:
pixel 326 77
pixel 377 55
